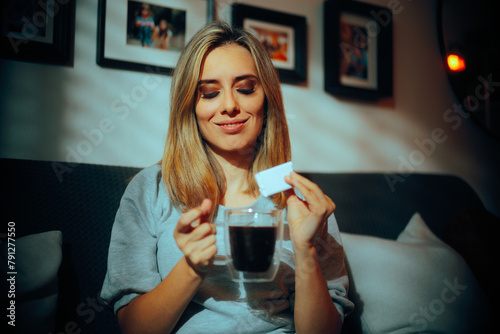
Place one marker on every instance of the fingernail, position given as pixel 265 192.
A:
pixel 299 194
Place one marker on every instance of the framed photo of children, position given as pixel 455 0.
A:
pixel 358 50
pixel 146 36
pixel 282 34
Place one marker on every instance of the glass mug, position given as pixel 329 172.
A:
pixel 249 243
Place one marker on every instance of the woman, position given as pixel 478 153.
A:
pixel 227 122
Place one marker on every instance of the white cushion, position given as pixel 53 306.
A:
pixel 37 261
pixel 415 284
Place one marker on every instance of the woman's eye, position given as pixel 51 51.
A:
pixel 246 91
pixel 209 95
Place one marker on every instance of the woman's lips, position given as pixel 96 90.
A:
pixel 232 127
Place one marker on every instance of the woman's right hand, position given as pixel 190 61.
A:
pixel 195 237
pixel 159 310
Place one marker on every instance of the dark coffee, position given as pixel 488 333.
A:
pixel 252 248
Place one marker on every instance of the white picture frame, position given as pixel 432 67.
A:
pixel 117 45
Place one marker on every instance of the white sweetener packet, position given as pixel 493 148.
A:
pixel 272 181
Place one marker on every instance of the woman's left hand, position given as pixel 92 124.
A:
pixel 306 218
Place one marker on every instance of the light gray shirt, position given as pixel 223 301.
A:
pixel 143 251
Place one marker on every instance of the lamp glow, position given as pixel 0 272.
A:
pixel 455 63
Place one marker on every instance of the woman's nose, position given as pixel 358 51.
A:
pixel 230 103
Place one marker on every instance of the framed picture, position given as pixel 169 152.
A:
pixel 358 50
pixel 282 34
pixel 146 36
pixel 37 31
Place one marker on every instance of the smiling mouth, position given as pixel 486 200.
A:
pixel 232 127
pixel 234 123
pixel 231 124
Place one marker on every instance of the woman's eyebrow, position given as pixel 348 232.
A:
pixel 237 79
pixel 244 77
pixel 207 81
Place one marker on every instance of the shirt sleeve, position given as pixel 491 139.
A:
pixel 331 258
pixel 132 266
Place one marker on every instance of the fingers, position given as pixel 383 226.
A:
pixel 313 194
pixel 206 206
pixel 195 216
pixel 201 231
pixel 201 250
pixel 195 236
pixel 195 222
pixel 199 247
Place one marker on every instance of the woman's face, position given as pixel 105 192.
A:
pixel 230 100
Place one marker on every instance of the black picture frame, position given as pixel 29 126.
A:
pixel 127 53
pixel 291 64
pixel 43 33
pixel 358 51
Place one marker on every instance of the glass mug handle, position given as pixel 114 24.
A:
pixel 220 258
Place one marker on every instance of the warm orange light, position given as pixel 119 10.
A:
pixel 456 63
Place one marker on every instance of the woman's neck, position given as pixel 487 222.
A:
pixel 236 172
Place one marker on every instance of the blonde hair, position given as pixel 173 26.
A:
pixel 190 171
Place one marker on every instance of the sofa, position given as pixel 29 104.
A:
pixel 63 214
